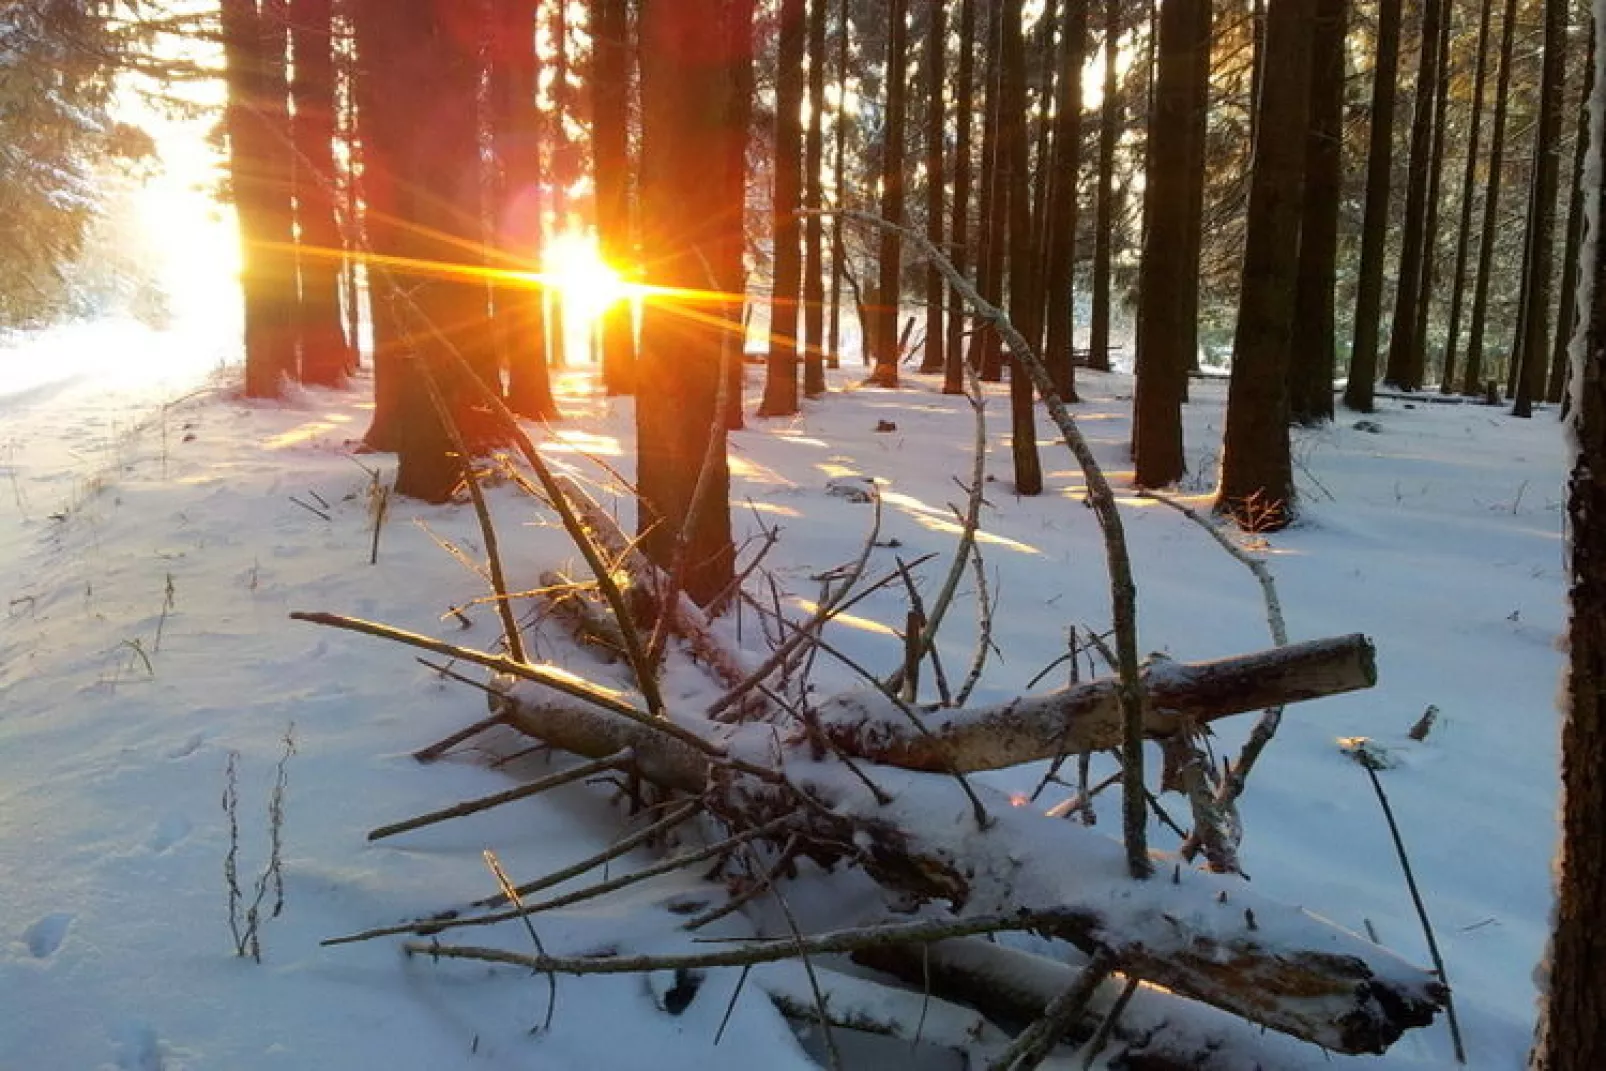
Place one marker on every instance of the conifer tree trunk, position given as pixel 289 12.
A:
pixel 609 83
pixel 936 115
pixel 889 286
pixel 1166 275
pixel 324 353
pixel 691 122
pixel 519 317
pixel 259 172
pixel 1567 305
pixel 1024 307
pixel 953 378
pixel 1257 484
pixel 780 373
pixel 1358 392
pixel 1098 348
pixel 813 199
pixel 1469 185
pixel 1472 378
pixel 993 239
pixel 1403 360
pixel 729 261
pixel 1312 357
pixel 839 140
pixel 1571 1034
pixel 1533 339
pixel 1059 272
pixel 562 166
pixel 1430 227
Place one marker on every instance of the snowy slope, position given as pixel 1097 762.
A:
pixel 1438 536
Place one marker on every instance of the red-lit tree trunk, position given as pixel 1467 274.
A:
pixel 325 353
pixel 690 79
pixel 520 311
pixel 890 286
pixel 259 172
pixel 610 166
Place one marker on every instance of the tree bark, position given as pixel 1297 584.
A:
pixel 1166 276
pixel 890 260
pixel 1404 360
pixel 609 83
pixel 1571 1034
pixel 780 371
pixel 959 229
pixel 1312 357
pixel 1257 483
pixel 1358 391
pixel 814 200
pixel 1060 269
pixel 1024 306
pixel 1568 312
pixel 1098 346
pixel 1469 185
pixel 1472 379
pixel 689 84
pixel 936 115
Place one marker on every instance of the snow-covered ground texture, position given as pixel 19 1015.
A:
pixel 152 553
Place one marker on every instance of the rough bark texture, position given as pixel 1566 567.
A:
pixel 1311 355
pixel 889 286
pixel 1098 346
pixel 1572 1018
pixel 1257 481
pixel 1166 274
pixel 689 84
pixel 1469 185
pixel 1059 300
pixel 1087 717
pixel 1024 307
pixel 814 200
pixel 936 86
pixel 959 229
pixel 1472 377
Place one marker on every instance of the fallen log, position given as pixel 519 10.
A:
pixel 1087 717
pixel 1196 934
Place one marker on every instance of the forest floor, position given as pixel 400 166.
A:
pixel 155 532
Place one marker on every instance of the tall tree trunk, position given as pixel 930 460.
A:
pixel 1059 274
pixel 519 318
pixel 1023 303
pixel 729 261
pixel 1098 347
pixel 839 139
pixel 1472 379
pixel 953 377
pixel 936 115
pixel 563 166
pixel 813 199
pixel 1568 312
pixel 780 373
pixel 1571 1035
pixel 1533 341
pixel 890 261
pixel 1430 227
pixel 690 82
pixel 1312 356
pixel 259 171
pixel 1358 392
pixel 1469 185
pixel 610 174
pixel 1257 484
pixel 988 349
pixel 1166 275
pixel 324 349
pixel 1403 359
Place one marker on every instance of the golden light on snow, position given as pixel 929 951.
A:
pixel 864 624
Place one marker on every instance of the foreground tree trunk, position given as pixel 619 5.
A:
pixel 689 81
pixel 1572 1013
pixel 1257 478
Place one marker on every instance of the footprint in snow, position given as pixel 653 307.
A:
pixel 138 1047
pixel 46 935
pixel 187 748
pixel 169 831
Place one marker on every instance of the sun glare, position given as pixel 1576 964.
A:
pixel 574 266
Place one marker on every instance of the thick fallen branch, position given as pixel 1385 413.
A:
pixel 1200 936
pixel 1087 717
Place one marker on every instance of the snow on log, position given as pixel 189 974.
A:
pixel 1199 935
pixel 1087 717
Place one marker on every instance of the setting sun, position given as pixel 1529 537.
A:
pixel 573 266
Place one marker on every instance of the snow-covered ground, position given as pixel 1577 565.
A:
pixel 150 554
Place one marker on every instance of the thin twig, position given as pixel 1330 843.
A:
pixel 529 927
pixel 485 803
pixel 760 886
pixel 1032 1046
